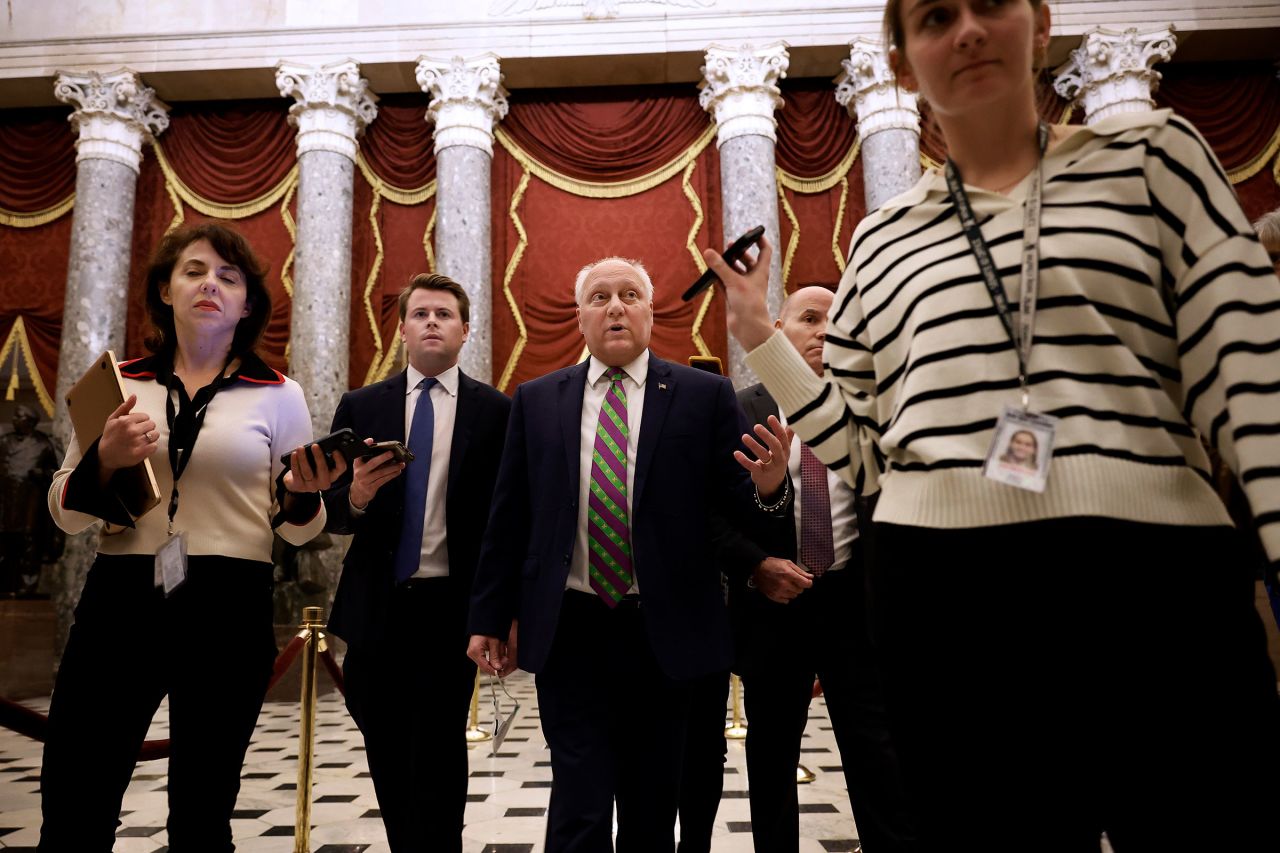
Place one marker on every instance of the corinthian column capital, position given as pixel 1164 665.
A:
pixel 467 99
pixel 1111 72
pixel 870 92
pixel 115 113
pixel 740 88
pixel 333 106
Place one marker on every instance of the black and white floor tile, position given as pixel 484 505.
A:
pixel 507 798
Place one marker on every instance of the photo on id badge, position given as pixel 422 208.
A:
pixel 1021 450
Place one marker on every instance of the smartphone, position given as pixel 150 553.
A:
pixel 731 256
pixel 399 453
pixel 343 441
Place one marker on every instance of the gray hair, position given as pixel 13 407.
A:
pixel 580 283
pixel 1268 228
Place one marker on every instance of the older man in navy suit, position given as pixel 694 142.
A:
pixel 603 543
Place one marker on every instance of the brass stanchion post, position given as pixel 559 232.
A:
pixel 312 622
pixel 738 730
pixel 804 775
pixel 475 734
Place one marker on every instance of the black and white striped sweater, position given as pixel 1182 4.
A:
pixel 1158 321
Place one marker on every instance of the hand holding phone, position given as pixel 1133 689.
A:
pixel 369 471
pixel 399 453
pixel 343 441
pixel 731 256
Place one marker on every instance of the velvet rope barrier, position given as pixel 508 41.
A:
pixel 32 724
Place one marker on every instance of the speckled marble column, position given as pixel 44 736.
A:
pixel 114 115
pixel 740 89
pixel 333 106
pixel 467 100
pixel 888 121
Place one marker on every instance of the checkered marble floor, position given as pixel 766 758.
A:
pixel 507 796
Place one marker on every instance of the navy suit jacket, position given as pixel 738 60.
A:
pixel 361 607
pixel 685 476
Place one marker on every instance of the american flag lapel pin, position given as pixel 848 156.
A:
pixel 662 386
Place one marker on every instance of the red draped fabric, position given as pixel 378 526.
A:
pixel 390 234
pixel 543 233
pixel 815 135
pixel 230 152
pixel 37 159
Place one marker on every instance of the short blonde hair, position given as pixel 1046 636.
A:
pixel 580 283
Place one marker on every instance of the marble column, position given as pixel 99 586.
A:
pixel 333 107
pixel 888 121
pixel 467 100
pixel 740 90
pixel 115 113
pixel 1111 71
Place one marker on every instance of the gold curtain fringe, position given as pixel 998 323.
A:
pixel 18 337
pixel 286 275
pixel 698 262
pixel 523 337
pixel 216 209
pixel 793 243
pixel 615 189
pixel 17 219
pixel 822 183
pixel 398 195
pixel 369 283
pixel 835 234
pixel 1258 163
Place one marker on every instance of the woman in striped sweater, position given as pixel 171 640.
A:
pixel 1077 654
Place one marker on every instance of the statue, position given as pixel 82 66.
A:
pixel 28 537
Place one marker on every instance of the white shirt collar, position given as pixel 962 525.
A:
pixel 448 380
pixel 637 370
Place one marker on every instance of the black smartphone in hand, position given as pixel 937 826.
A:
pixel 731 256
pixel 343 441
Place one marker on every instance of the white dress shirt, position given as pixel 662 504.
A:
pixel 592 399
pixel 434 562
pixel 844 516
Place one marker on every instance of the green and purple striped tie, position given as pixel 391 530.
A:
pixel 608 523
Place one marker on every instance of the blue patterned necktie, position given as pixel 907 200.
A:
pixel 416 476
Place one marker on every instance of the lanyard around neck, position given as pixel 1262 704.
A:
pixel 1022 334
pixel 183 431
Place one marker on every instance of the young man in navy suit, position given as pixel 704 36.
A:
pixel 603 543
pixel 402 602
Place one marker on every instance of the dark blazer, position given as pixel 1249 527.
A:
pixel 362 603
pixel 685 471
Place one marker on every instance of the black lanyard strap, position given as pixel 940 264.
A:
pixel 1023 334
pixel 185 424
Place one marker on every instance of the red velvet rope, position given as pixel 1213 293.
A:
pixel 335 671
pixel 34 725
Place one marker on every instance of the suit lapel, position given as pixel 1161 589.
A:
pixel 392 411
pixel 659 389
pixel 573 385
pixel 463 423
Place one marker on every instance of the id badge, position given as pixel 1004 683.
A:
pixel 1021 450
pixel 171 563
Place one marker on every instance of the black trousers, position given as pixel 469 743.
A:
pixel 616 727
pixel 209 647
pixel 410 697
pixel 1050 681
pixel 829 620
pixel 702 777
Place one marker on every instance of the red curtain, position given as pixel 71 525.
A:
pixel 390 232
pixel 543 234
pixel 37 159
pixel 815 135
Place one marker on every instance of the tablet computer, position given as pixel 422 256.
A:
pixel 90 402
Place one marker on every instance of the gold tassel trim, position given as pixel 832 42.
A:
pixel 212 208
pixel 1257 164
pixel 793 242
pixel 16 219
pixel 698 262
pixel 822 183
pixel 18 338
pixel 596 189
pixel 523 336
pixel 835 234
